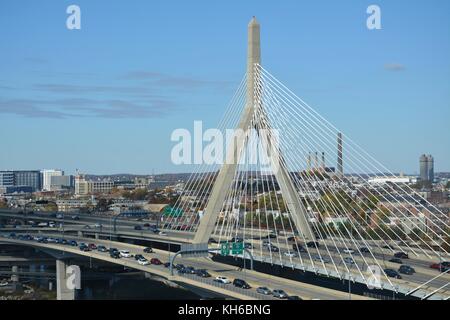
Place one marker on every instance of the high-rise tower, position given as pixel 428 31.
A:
pixel 430 171
pixel 423 163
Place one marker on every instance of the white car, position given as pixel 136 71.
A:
pixel 223 280
pixel 290 254
pixel 162 233
pixel 125 253
pixel 143 262
pixel 97 225
pixel 348 251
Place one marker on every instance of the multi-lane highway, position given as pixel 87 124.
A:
pixel 326 257
pixel 255 279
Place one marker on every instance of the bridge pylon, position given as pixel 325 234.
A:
pixel 252 117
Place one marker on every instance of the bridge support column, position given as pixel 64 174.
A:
pixel 62 291
pixel 97 236
pixel 80 234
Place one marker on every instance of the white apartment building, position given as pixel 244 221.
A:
pixel 46 177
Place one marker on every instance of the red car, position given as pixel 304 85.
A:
pixel 155 261
pixel 92 246
pixel 444 266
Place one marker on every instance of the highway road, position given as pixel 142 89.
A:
pixel 255 279
pixel 125 227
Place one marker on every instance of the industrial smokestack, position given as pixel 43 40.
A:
pixel 316 160
pixel 323 160
pixel 308 161
pixel 340 166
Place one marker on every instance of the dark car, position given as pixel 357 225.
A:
pixel 73 243
pixel 148 250
pixel 241 284
pixel 391 273
pixel 202 273
pixel 102 248
pixel 313 244
pixel 401 255
pixel 236 239
pixel 138 256
pixel 396 260
pixel 167 264
pixel 294 298
pixel 137 228
pixel 364 250
pixel 273 248
pixel 189 269
pixel 84 247
pixel 114 254
pixel 405 269
pixel 113 250
pixel 179 267
pixel 298 248
pixel 75 218
pixel 212 240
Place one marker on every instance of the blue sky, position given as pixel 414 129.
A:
pixel 105 99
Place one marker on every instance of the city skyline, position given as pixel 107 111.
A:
pixel 102 101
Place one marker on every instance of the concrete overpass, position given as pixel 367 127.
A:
pixel 125 230
pixel 255 279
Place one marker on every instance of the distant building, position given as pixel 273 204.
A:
pixel 100 186
pixel 73 204
pixel 430 168
pixel 15 189
pixel 21 178
pixel 61 182
pixel 426 163
pixel 6 178
pixel 30 178
pixel 81 185
pixel 47 174
pixel 384 180
pixel 84 187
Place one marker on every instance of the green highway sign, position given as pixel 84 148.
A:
pixel 225 249
pixel 237 248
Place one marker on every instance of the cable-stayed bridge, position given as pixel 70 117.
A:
pixel 275 192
